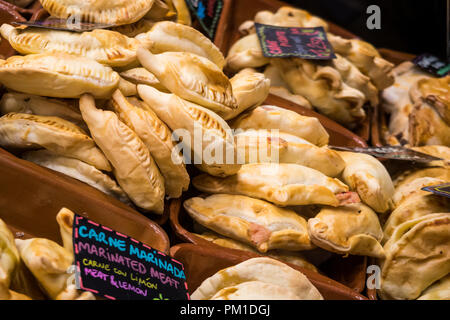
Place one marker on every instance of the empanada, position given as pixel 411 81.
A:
pixel 134 167
pixel 158 139
pixel 436 91
pixel 182 10
pixel 442 152
pixel 405 178
pixel 294 258
pixel 78 170
pixel 324 87
pixel 40 106
pixel 266 146
pixel 282 184
pixel 104 46
pixel 192 78
pixel 250 89
pixel 9 256
pixel 246 53
pixel 417 255
pixel 65 221
pixel 192 122
pixel 415 206
pixel 290 17
pixel 254 222
pixel 287 95
pixel 159 11
pixel 49 263
pixel 116 12
pixel 133 29
pixel 355 79
pixel 127 88
pixel 440 290
pixel 353 229
pixel 58 75
pixel 414 188
pixel 176 37
pixel 143 76
pixel 25 131
pixel 366 58
pixel 263 271
pixel 276 118
pixel 367 176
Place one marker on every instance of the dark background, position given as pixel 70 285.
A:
pixel 415 26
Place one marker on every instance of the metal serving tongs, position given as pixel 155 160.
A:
pixel 392 152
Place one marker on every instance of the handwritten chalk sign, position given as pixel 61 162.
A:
pixel 306 43
pixel 208 13
pixel 432 64
pixel 442 189
pixel 117 267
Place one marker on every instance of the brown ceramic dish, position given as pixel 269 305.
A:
pixel 31 196
pixel 201 262
pixel 235 12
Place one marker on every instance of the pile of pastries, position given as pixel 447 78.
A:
pixel 124 110
pixel 339 88
pixel 419 108
pixel 39 268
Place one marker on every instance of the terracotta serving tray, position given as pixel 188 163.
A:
pixel 31 196
pixel 235 12
pixel 201 262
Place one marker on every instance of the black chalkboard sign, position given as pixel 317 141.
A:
pixel 208 13
pixel 117 267
pixel 442 190
pixel 432 64
pixel 306 43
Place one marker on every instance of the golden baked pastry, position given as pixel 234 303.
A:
pixel 157 137
pixel 440 290
pixel 283 184
pixel 49 263
pixel 9 256
pixel 143 76
pixel 104 46
pixel 417 255
pixel 294 258
pixel 25 131
pixel 250 89
pixel 414 187
pixel 265 146
pixel 65 221
pixel 436 91
pixel 134 167
pixel 396 100
pixel 78 170
pixel 368 176
pixel 257 279
pixel 6 294
pixel 159 11
pixel 133 29
pixel 41 106
pixel 58 75
pixel 116 12
pixel 183 14
pixel 246 53
pixel 215 133
pixel 353 229
pixel 175 37
pixel 412 207
pixel 324 87
pixel 276 118
pixel 366 58
pixel 405 178
pixel 290 17
pixel 355 78
pixel 254 222
pixel 127 88
pixel 192 78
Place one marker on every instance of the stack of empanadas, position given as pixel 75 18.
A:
pixel 257 279
pixel 47 261
pixel 419 108
pixel 338 88
pixel 417 235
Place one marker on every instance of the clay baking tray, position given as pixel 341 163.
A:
pixel 201 262
pixel 31 196
pixel 235 12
